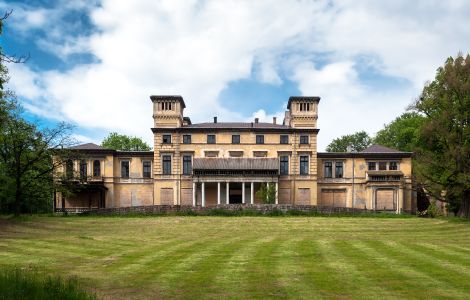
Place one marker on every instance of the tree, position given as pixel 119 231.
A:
pixel 358 142
pixel 267 193
pixel 443 147
pixel 123 142
pixel 402 133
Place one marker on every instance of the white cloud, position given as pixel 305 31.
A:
pixel 196 49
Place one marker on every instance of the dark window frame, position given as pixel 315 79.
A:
pixel 187 165
pixel 370 164
pixel 339 169
pixel 125 171
pixel 382 165
pixel 186 139
pixel 284 139
pixel 260 139
pixel 166 139
pixel 304 140
pixel 83 169
pixel 304 164
pixel 393 167
pixel 166 164
pixel 328 169
pixel 146 169
pixel 96 168
pixel 69 169
pixel 211 139
pixel 234 139
pixel 284 165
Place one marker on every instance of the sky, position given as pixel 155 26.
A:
pixel 94 64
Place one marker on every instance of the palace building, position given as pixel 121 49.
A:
pixel 214 163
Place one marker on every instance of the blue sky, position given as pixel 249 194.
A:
pixel 95 63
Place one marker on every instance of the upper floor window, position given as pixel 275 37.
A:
pixel 284 139
pixel 372 166
pixel 147 169
pixel 166 164
pixel 328 169
pixel 211 138
pixel 125 169
pixel 186 139
pixel 260 139
pixel 69 168
pixel 96 168
pixel 393 166
pixel 303 165
pixel 304 139
pixel 382 165
pixel 166 139
pixel 83 169
pixel 235 139
pixel 284 165
pixel 187 167
pixel 304 106
pixel 338 169
pixel 166 106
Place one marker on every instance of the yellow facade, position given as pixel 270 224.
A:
pixel 194 164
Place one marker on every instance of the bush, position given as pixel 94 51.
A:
pixel 29 284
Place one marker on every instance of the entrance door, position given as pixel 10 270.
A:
pixel 385 200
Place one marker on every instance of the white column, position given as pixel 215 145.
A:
pixel 252 198
pixel 218 193
pixel 277 193
pixel 194 194
pixel 243 192
pixel 227 193
pixel 203 188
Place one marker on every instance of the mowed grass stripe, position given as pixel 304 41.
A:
pixel 418 272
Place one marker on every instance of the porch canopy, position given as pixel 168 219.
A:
pixel 236 166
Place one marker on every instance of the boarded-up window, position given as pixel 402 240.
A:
pixel 303 197
pixel 186 196
pixel 385 200
pixel 166 196
pixel 333 198
pixel 284 196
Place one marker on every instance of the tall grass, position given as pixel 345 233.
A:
pixel 31 284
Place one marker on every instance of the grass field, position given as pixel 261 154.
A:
pixel 247 257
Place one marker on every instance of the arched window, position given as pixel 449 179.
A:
pixel 96 168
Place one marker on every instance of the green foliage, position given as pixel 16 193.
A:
pixel 123 142
pixel 23 284
pixel 402 133
pixel 267 192
pixel 357 141
pixel 443 147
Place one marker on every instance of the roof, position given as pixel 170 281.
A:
pixel 303 98
pixel 88 146
pixel 169 97
pixel 235 125
pixel 379 149
pixel 235 164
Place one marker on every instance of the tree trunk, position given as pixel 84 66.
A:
pixel 464 210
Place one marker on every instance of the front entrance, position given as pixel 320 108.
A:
pixel 235 195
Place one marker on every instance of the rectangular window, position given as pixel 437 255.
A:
pixel 69 169
pixel 372 166
pixel 304 165
pixel 304 139
pixel 338 170
pixel 260 139
pixel 167 139
pixel 393 166
pixel 166 164
pixel 235 139
pixel 211 138
pixel 125 169
pixel 96 168
pixel 328 169
pixel 83 170
pixel 147 169
pixel 187 167
pixel 284 165
pixel 382 166
pixel 284 139
pixel 186 139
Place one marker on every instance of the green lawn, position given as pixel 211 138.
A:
pixel 247 257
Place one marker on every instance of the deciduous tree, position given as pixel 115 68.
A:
pixel 124 142
pixel 357 141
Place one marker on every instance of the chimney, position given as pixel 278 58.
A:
pixel 215 119
pixel 256 120
pixel 274 120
